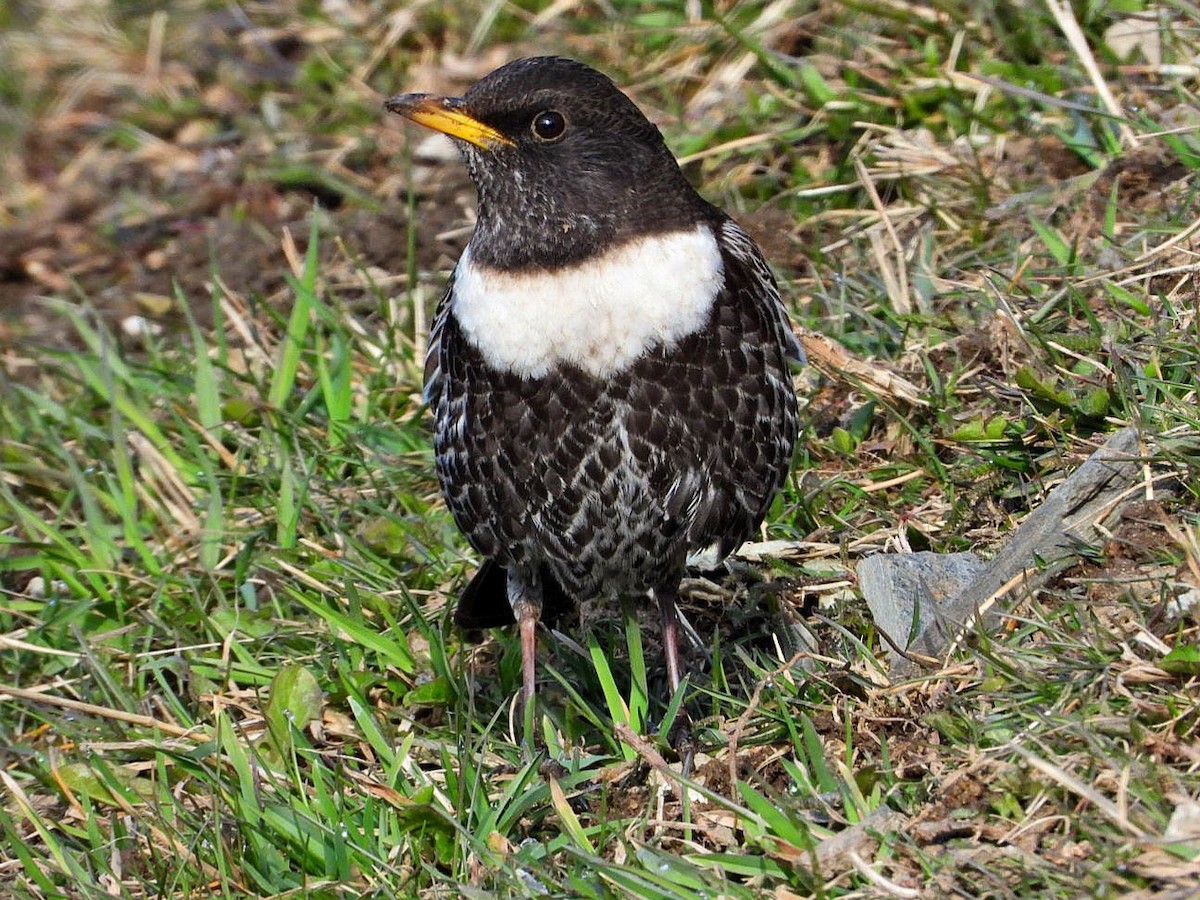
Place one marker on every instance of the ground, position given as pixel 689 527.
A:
pixel 226 662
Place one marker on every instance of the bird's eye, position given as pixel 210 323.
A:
pixel 549 125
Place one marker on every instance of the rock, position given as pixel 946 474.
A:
pixel 913 596
pixel 909 592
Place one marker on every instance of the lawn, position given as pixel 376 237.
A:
pixel 227 666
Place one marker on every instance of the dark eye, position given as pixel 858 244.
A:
pixel 549 125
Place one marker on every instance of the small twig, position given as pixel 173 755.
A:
pixel 1067 23
pixel 886 885
pixel 648 752
pixel 743 720
pixel 11 643
pixel 897 279
pixel 1016 90
pixel 1073 784
pixel 196 733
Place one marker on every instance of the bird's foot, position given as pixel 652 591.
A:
pixel 683 742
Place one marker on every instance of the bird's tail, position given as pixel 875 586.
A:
pixel 484 601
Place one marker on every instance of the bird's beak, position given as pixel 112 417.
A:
pixel 445 114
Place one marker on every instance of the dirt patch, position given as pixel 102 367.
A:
pixel 1145 178
pixel 121 241
pixel 1135 561
pixel 128 196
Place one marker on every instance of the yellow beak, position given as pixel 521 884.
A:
pixel 445 114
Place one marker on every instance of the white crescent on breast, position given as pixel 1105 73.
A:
pixel 599 315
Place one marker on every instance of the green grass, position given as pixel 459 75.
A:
pixel 226 570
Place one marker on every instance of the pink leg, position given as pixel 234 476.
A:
pixel 681 735
pixel 525 598
pixel 527 624
pixel 670 636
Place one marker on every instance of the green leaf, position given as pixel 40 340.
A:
pixel 776 820
pixel 295 700
pixel 438 692
pixel 241 411
pixel 1184 659
pixel 1059 247
pixel 980 430
pixel 1095 404
pixel 1028 379
pixel 82 779
pixel 639 693
pixel 566 815
pixel 292 347
pixel 617 707
pixel 1128 298
pixel 393 652
pixel 815 86
pixel 843 441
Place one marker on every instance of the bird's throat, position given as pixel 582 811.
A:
pixel 598 315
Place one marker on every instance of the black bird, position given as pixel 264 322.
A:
pixel 609 368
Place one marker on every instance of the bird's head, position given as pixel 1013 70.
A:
pixel 564 163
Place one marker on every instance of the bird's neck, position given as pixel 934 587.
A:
pixel 516 243
pixel 521 227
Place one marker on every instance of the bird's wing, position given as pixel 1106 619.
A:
pixel 750 417
pixel 433 364
pixel 736 243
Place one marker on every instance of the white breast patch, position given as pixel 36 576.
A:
pixel 599 315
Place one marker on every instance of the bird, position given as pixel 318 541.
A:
pixel 609 369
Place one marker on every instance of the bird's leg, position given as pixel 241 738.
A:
pixel 670 635
pixel 681 735
pixel 525 597
pixel 527 620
